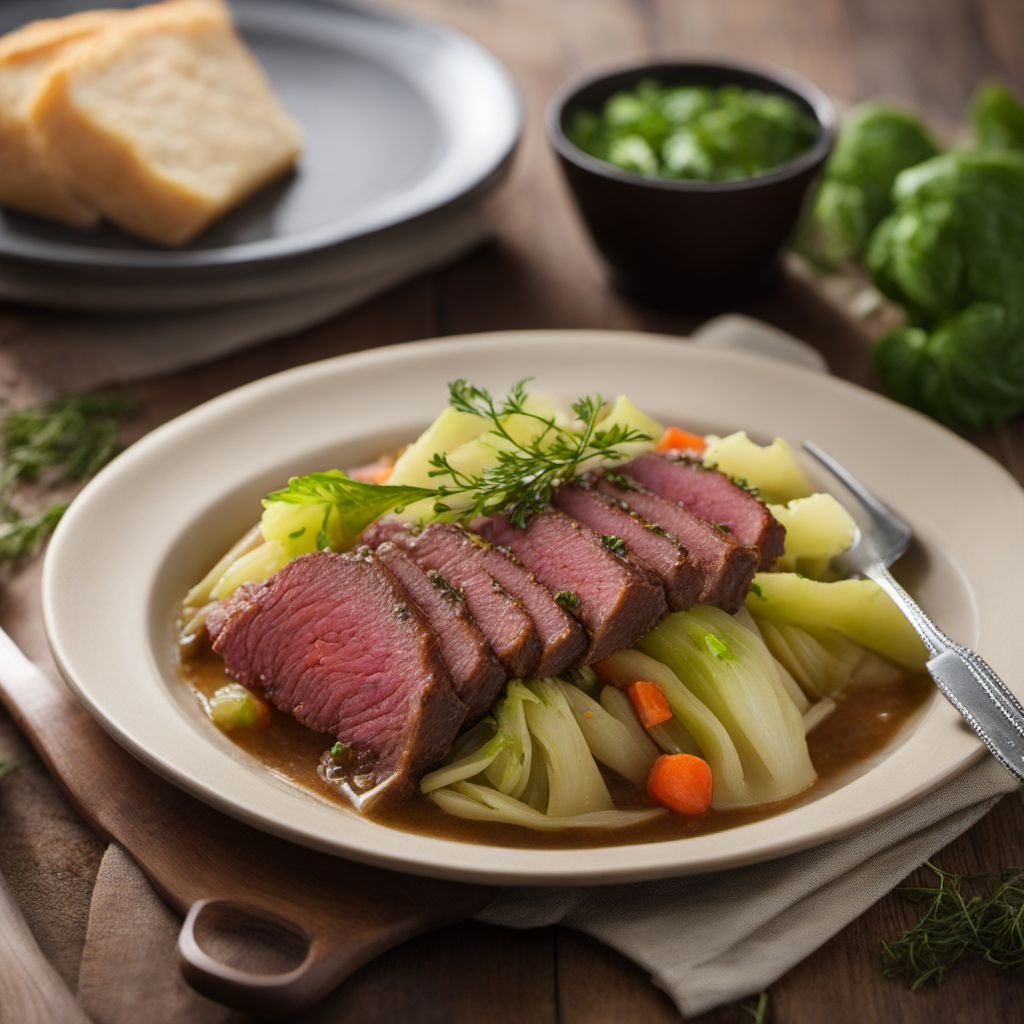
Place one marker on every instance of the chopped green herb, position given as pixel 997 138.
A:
pixel 722 527
pixel 340 751
pixel 442 584
pixel 965 916
pixel 402 612
pixel 755 589
pixel 616 545
pixel 567 599
pixel 295 534
pixel 621 481
pixel 718 647
pixel 695 132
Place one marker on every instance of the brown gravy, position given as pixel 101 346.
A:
pixel 867 717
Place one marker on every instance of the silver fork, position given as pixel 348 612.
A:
pixel 963 676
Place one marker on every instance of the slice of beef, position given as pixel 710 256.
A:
pixel 475 672
pixel 715 497
pixel 651 544
pixel 726 567
pixel 561 636
pixel 458 557
pixel 617 599
pixel 335 641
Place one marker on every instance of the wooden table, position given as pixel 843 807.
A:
pixel 542 273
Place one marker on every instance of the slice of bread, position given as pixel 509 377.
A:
pixel 28 181
pixel 164 122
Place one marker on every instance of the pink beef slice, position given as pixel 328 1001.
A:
pixel 336 642
pixel 618 599
pixel 726 567
pixel 650 543
pixel 714 497
pixel 475 672
pixel 458 557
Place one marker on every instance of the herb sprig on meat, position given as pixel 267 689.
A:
pixel 526 473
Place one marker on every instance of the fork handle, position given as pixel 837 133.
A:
pixel 966 680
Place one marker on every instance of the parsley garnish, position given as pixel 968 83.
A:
pixel 966 916
pixel 453 593
pixel 340 751
pixel 616 545
pixel 567 599
pixel 621 481
pixel 718 647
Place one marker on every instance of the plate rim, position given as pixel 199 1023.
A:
pixel 457 867
pixel 266 253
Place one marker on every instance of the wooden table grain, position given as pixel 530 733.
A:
pixel 541 272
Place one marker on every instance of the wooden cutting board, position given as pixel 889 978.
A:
pixel 255 898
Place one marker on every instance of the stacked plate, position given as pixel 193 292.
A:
pixel 407 125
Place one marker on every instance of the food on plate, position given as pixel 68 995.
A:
pixel 579 630
pixel 695 132
pixel 157 119
pixel 29 181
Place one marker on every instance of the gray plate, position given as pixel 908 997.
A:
pixel 400 117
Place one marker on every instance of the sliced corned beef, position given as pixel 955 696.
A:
pixel 460 559
pixel 712 496
pixel 651 544
pixel 726 567
pixel 475 672
pixel 335 641
pixel 615 598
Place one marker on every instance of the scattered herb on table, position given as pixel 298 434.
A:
pixel 966 916
pixel 695 132
pixel 50 446
pixel 756 1013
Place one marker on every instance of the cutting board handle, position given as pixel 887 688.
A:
pixel 270 993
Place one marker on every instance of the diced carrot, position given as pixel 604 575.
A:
pixel 649 703
pixel 677 439
pixel 681 782
pixel 376 472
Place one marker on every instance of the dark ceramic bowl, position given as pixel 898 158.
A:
pixel 689 243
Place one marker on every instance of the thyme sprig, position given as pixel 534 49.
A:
pixel 965 916
pixel 526 472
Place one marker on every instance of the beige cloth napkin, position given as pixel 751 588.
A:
pixel 713 939
pixel 55 353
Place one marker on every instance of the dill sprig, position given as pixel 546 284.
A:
pixel 50 445
pixel 965 916
pixel 525 473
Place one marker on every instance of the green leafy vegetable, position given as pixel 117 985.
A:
pixel 874 145
pixel 952 253
pixel 718 647
pixel 695 132
pixel 568 599
pixel 998 117
pixel 965 916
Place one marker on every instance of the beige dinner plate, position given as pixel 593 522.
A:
pixel 158 517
